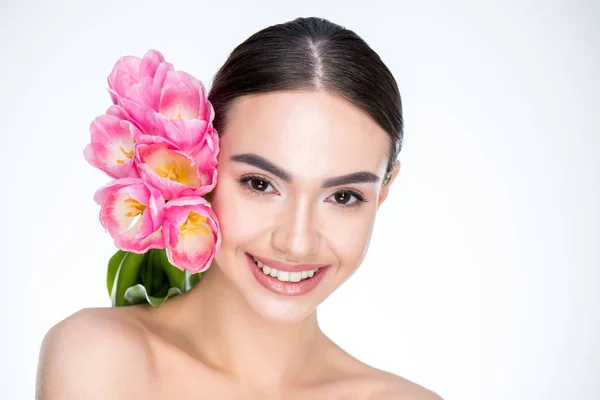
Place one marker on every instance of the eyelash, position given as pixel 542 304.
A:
pixel 247 178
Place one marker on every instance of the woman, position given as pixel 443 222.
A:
pixel 311 125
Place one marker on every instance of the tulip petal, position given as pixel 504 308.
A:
pixel 191 233
pixel 132 77
pixel 112 146
pixel 152 241
pixel 200 142
pixel 124 74
pixel 186 134
pixel 141 115
pixel 123 209
pixel 158 82
pixel 132 212
pixel 117 111
pixel 174 172
pixel 206 157
pixel 181 96
pixel 150 63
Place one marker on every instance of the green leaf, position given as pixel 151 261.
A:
pixel 175 275
pixel 127 275
pixel 163 289
pixel 137 295
pixel 192 279
pixel 147 271
pixel 159 277
pixel 178 278
pixel 113 267
pixel 146 278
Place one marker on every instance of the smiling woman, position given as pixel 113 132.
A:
pixel 300 182
pixel 310 124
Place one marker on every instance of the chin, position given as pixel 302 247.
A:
pixel 280 311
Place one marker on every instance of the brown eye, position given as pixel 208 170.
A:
pixel 342 197
pixel 259 184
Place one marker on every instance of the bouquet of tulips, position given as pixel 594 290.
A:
pixel 158 143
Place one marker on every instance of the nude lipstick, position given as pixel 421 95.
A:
pixel 278 277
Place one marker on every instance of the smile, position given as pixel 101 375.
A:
pixel 285 276
pixel 289 283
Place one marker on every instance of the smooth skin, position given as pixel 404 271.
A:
pixel 229 337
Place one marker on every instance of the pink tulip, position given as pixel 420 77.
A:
pixel 181 96
pixel 112 144
pixel 131 86
pixel 175 172
pixel 191 233
pixel 171 102
pixel 184 108
pixel 132 212
pixel 132 77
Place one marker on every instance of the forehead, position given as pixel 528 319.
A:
pixel 306 132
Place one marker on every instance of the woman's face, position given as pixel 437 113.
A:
pixel 299 182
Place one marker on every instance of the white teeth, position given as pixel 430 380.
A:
pixel 285 276
pixel 295 276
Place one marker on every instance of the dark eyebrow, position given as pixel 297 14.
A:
pixel 260 162
pixel 356 177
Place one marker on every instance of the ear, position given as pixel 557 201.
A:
pixel 385 189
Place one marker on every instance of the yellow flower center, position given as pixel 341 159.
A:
pixel 173 165
pixel 195 223
pixel 171 171
pixel 178 116
pixel 128 154
pixel 137 208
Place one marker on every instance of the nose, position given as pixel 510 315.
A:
pixel 297 233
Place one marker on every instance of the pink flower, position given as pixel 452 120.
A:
pixel 191 233
pixel 132 86
pixel 132 212
pixel 117 111
pixel 132 77
pixel 162 101
pixel 183 105
pixel 174 172
pixel 183 97
pixel 112 144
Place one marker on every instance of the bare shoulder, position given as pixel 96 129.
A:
pixel 368 382
pixel 95 353
pixel 388 386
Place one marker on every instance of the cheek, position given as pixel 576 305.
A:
pixel 240 220
pixel 349 237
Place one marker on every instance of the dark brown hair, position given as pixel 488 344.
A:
pixel 312 54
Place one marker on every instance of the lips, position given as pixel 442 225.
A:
pixel 287 288
pixel 288 267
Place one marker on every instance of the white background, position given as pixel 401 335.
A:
pixel 482 280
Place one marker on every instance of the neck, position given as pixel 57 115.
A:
pixel 231 338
